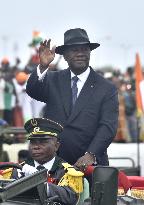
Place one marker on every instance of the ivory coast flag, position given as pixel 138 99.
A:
pixel 139 83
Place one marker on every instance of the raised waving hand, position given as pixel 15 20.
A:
pixel 46 54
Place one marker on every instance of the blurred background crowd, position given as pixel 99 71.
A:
pixel 16 107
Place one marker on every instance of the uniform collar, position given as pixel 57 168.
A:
pixel 47 165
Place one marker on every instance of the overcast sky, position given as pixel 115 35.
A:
pixel 116 24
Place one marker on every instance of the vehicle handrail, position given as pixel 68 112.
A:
pixel 12 130
pixel 124 158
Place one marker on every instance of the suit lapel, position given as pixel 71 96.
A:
pixel 85 95
pixel 65 90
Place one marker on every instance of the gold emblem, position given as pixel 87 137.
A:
pixel 34 122
pixel 36 129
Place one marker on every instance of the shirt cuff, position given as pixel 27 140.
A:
pixel 39 74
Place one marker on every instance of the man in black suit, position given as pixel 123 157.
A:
pixel 87 107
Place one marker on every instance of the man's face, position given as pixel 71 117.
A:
pixel 43 150
pixel 77 57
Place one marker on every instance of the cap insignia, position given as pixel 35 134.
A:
pixel 34 122
pixel 36 129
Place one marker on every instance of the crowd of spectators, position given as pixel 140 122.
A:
pixel 16 107
pixel 128 130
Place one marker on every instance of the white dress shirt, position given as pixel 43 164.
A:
pixel 47 165
pixel 28 170
pixel 39 74
pixel 82 77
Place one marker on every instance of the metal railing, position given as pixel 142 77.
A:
pixel 12 130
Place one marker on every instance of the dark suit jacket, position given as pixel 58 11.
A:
pixel 91 125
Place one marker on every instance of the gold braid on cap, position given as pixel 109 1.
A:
pixel 53 122
pixel 44 133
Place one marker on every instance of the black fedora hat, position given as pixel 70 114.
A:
pixel 75 36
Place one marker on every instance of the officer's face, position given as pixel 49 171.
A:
pixel 77 57
pixel 43 150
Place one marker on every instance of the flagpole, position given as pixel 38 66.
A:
pixel 138 145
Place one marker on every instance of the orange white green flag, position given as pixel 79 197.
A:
pixel 139 83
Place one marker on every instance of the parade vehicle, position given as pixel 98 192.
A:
pixel 27 190
pixel 31 189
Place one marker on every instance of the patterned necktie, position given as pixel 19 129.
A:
pixel 74 89
pixel 40 167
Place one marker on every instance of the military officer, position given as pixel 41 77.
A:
pixel 63 180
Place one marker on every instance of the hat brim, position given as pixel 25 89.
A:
pixel 60 49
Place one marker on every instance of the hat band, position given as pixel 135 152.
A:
pixel 76 41
pixel 44 133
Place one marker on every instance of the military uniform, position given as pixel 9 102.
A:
pixel 65 192
pixel 63 180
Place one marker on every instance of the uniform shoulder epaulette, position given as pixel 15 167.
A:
pixel 6 174
pixel 72 178
pixel 72 171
